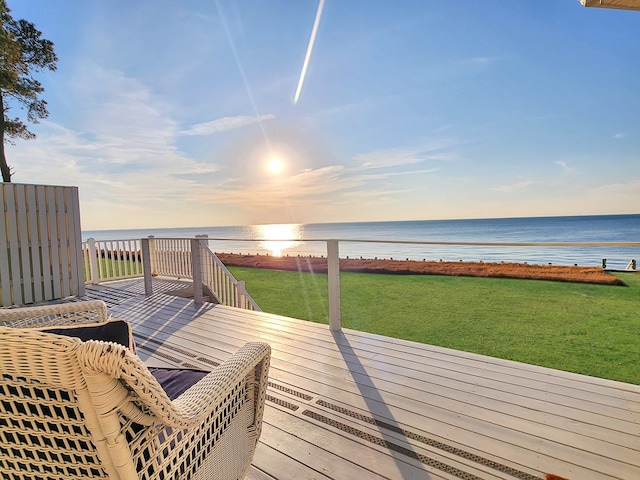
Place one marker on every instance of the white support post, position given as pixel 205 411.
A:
pixel 152 254
pixel 333 273
pixel 205 274
pixel 94 277
pixel 196 271
pixel 146 265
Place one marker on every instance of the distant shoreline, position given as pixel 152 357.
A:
pixel 561 273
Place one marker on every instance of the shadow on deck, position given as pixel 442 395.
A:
pixel 357 405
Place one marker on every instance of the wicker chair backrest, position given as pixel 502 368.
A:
pixel 46 412
pixel 71 409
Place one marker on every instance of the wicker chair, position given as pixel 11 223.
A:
pixel 72 409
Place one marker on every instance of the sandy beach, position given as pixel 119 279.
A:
pixel 411 267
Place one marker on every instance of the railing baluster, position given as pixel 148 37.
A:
pixel 92 254
pixel 130 266
pixel 119 257
pixel 102 259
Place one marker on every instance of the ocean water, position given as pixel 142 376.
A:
pixel 367 239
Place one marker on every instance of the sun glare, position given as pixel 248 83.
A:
pixel 275 165
pixel 279 237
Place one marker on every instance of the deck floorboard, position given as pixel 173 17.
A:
pixel 358 405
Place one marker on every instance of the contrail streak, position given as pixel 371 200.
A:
pixel 312 40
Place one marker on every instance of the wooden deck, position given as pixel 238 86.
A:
pixel 353 405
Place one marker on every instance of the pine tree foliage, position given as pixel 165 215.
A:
pixel 23 53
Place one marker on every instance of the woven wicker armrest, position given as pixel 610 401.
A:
pixel 113 363
pixel 90 311
pixel 201 398
pixel 226 406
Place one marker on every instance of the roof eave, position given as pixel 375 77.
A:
pixel 619 4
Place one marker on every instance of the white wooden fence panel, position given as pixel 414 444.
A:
pixel 63 244
pixel 40 243
pixel 36 263
pixel 5 254
pixel 25 258
pixel 54 247
pixel 13 258
pixel 43 238
pixel 76 274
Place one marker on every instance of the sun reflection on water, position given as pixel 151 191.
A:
pixel 279 237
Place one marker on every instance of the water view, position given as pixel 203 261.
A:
pixel 379 239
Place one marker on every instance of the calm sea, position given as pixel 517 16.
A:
pixel 287 239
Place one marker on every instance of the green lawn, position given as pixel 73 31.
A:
pixel 589 329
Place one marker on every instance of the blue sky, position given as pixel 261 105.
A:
pixel 166 114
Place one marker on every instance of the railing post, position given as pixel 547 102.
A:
pixel 205 273
pixel 196 271
pixel 333 273
pixel 152 254
pixel 146 265
pixel 94 276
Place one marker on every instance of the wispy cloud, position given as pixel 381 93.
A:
pixel 124 157
pixel 310 184
pixel 514 187
pixel 630 188
pixel 620 135
pixel 225 124
pixel 388 158
pixel 477 61
pixel 384 175
pixel 564 165
pixel 310 193
pixel 395 157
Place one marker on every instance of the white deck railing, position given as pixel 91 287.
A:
pixel 333 259
pixel 218 278
pixel 192 258
pixel 111 260
pixel 172 257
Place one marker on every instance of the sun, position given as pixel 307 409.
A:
pixel 275 165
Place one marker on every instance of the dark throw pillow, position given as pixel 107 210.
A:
pixel 114 330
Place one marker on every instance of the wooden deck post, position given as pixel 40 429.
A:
pixel 153 255
pixel 333 273
pixel 146 266
pixel 196 271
